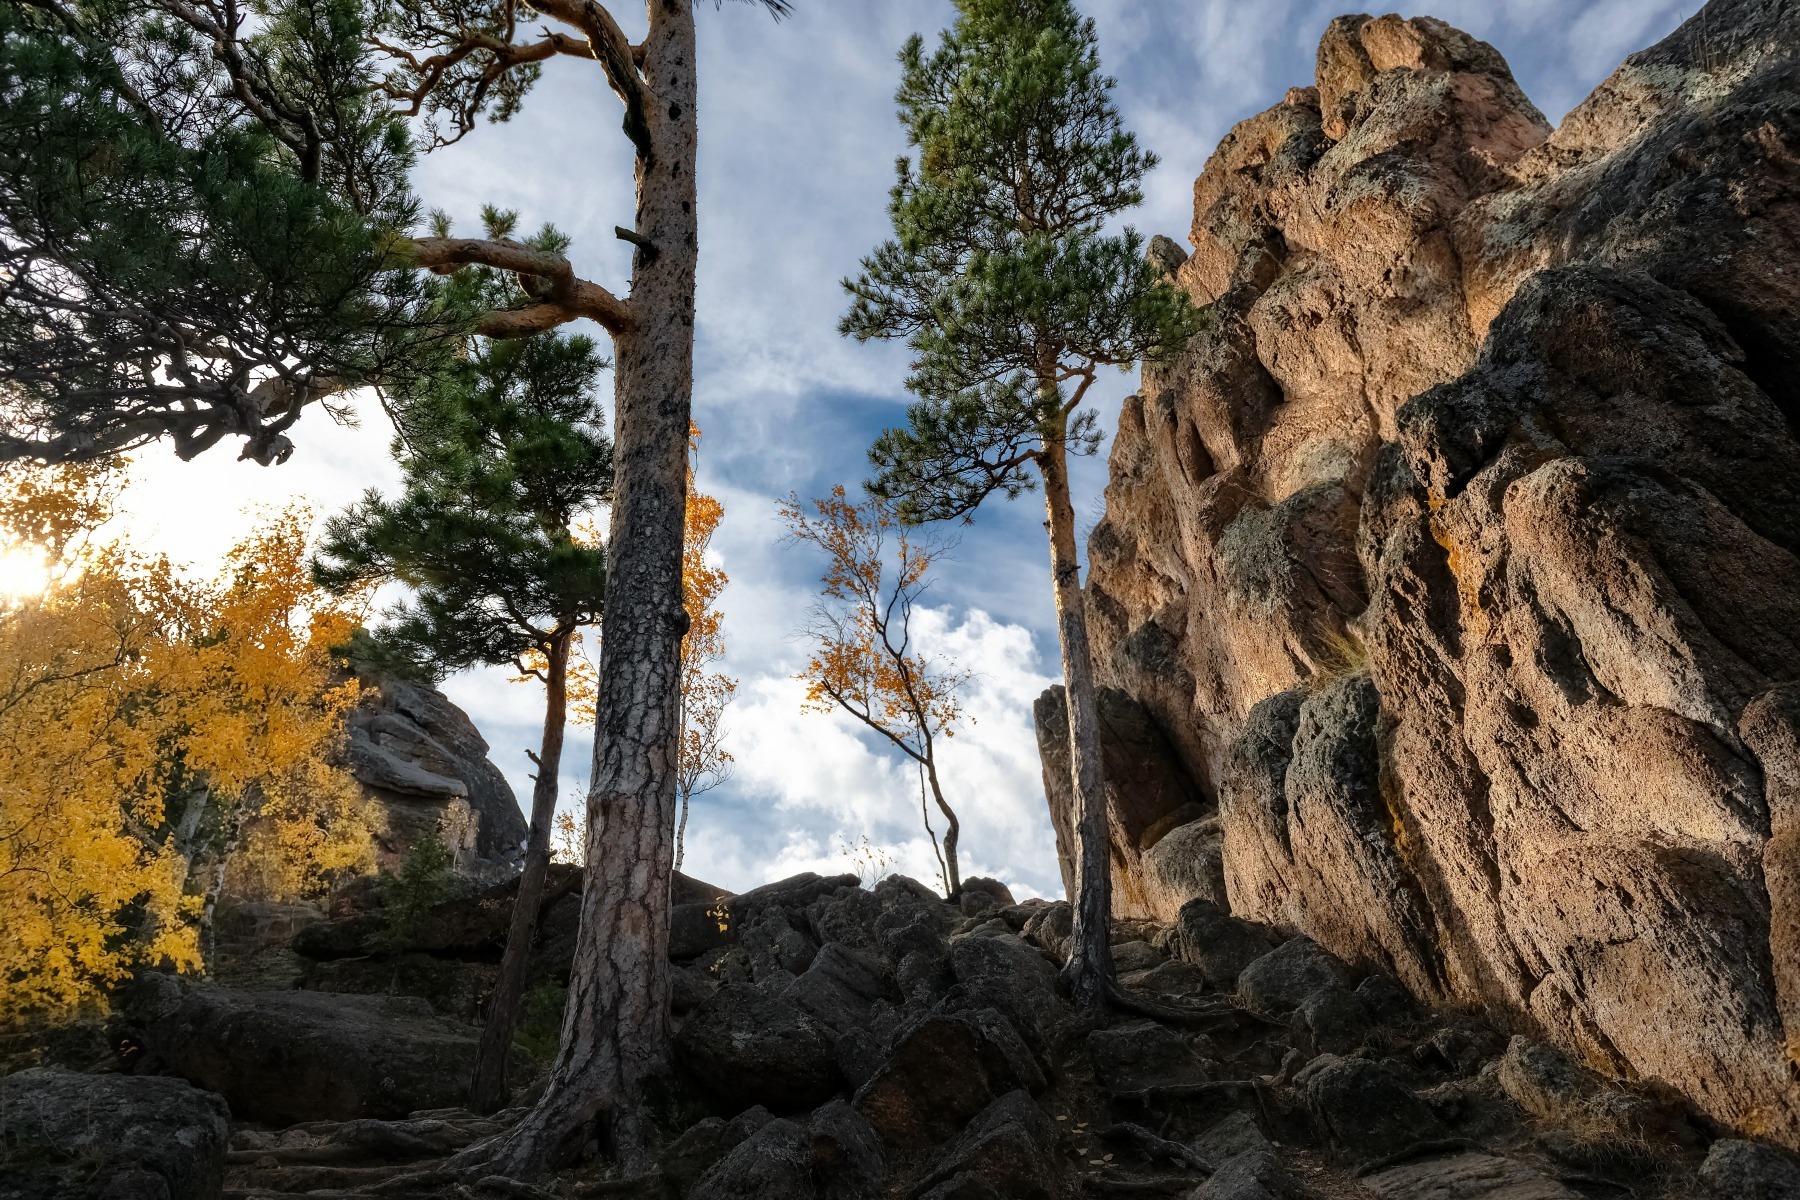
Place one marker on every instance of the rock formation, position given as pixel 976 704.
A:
pixel 423 761
pixel 1456 562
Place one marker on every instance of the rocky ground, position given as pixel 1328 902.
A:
pixel 835 1041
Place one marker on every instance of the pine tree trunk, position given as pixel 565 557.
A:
pixel 1090 970
pixel 615 1033
pixel 487 1089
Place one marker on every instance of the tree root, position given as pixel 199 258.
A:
pixel 1158 1146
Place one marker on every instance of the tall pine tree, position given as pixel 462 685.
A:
pixel 504 455
pixel 1001 277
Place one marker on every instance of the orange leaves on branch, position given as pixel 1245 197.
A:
pixel 144 715
pixel 864 658
pixel 703 762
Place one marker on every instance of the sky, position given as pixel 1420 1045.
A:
pixel 798 141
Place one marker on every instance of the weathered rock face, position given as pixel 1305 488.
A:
pixel 68 1136
pixel 423 760
pixel 299 1055
pixel 1457 562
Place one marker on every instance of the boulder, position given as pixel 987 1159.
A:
pixel 841 986
pixel 1253 1175
pixel 1009 1146
pixel 1131 1059
pixel 770 1164
pixel 1739 1170
pixel 1281 980
pixel 940 1072
pixel 705 1142
pixel 1366 1109
pixel 845 1152
pixel 980 896
pixel 1467 1177
pixel 1220 945
pixel 67 1136
pixel 422 759
pixel 1005 973
pixel 283 1057
pixel 746 1047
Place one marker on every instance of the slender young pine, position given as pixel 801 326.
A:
pixel 1001 278
pixel 502 457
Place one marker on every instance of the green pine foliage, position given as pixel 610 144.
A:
pixel 1001 274
pixel 184 215
pixel 503 452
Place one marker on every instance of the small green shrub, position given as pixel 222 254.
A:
pixel 540 1022
pixel 407 898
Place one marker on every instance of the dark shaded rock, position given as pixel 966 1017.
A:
pixel 771 1164
pixel 980 896
pixel 794 892
pixel 747 1047
pixel 1231 1136
pixel 940 1072
pixel 776 949
pixel 1218 943
pixel 701 1145
pixel 1738 1170
pixel 1050 928
pixel 1012 976
pixel 1281 980
pixel 1130 1059
pixel 1010 1146
pixel 841 986
pixel 1173 979
pixel 1366 1109
pixel 845 1153
pixel 1253 1175
pixel 1136 955
pixel 283 1057
pixel 65 1136
pixel 699 927
pixel 1337 1020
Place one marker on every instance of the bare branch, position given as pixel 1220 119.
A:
pixel 564 296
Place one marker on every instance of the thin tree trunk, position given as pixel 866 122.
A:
pixel 615 1033
pixel 1090 969
pixel 952 873
pixel 681 829
pixel 487 1089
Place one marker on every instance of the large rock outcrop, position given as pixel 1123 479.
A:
pixel 423 761
pixel 1456 562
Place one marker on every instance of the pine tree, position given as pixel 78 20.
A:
pixel 503 456
pixel 1002 278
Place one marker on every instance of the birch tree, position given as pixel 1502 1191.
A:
pixel 1002 279
pixel 865 660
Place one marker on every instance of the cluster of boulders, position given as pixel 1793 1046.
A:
pixel 837 1042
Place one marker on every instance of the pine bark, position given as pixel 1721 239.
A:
pixel 615 1033
pixel 1090 968
pixel 487 1088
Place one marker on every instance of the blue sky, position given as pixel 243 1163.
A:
pixel 798 143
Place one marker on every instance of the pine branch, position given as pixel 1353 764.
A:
pixel 565 297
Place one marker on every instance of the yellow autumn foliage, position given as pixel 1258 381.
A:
pixel 151 725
